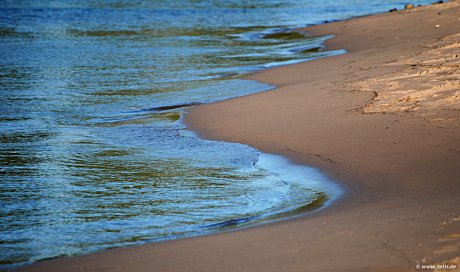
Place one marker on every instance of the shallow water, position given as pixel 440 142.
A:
pixel 89 160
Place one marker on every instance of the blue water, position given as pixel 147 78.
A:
pixel 89 161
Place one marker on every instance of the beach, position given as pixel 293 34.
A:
pixel 382 120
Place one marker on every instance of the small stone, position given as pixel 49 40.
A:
pixel 393 10
pixel 409 6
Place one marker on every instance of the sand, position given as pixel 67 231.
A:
pixel 382 120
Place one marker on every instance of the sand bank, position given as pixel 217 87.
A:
pixel 383 120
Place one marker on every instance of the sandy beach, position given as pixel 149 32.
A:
pixel 381 120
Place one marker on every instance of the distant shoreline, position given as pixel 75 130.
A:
pixel 382 119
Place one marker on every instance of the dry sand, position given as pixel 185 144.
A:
pixel 383 120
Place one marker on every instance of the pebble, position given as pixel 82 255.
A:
pixel 409 6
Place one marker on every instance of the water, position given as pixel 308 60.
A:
pixel 88 161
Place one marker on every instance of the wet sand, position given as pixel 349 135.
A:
pixel 382 120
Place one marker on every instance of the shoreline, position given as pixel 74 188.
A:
pixel 400 205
